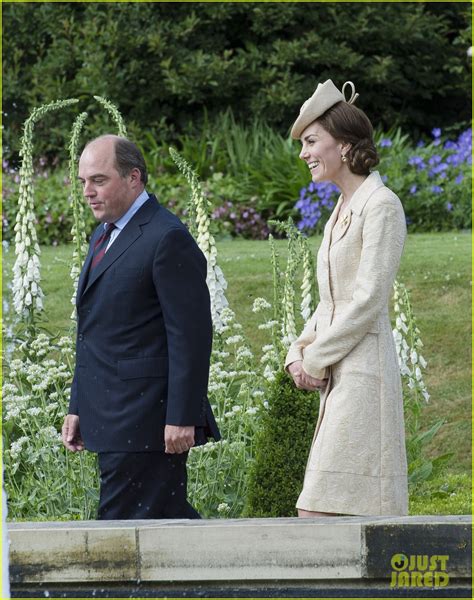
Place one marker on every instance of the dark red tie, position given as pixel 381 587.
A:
pixel 101 245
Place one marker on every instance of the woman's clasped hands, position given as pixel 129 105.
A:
pixel 303 380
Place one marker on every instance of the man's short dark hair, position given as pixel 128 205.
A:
pixel 128 157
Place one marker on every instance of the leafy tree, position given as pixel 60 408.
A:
pixel 163 63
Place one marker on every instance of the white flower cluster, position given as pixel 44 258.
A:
pixel 260 304
pixel 288 326
pixel 243 352
pixel 216 281
pixel 235 339
pixel 307 283
pixel 114 113
pixel 269 324
pixel 16 447
pixel 27 293
pixel 408 342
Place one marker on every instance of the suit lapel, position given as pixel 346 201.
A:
pixel 81 284
pixel 131 232
pixel 126 237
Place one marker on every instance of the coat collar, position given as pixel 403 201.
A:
pixel 356 206
pixel 364 191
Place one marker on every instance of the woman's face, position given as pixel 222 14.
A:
pixel 322 153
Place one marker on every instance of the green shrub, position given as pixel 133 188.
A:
pixel 281 450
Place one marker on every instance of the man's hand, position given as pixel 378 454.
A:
pixel 71 434
pixel 178 439
pixel 302 380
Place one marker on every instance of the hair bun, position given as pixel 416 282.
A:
pixel 363 156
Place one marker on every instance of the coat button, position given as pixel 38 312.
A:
pixel 80 337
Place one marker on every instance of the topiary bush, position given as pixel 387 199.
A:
pixel 281 450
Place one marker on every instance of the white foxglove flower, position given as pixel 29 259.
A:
pixel 26 241
pixel 215 277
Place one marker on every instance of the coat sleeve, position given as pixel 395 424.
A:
pixel 179 273
pixel 297 348
pixel 383 237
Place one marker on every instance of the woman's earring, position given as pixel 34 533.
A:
pixel 343 158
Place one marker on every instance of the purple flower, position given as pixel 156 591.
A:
pixel 438 170
pixel 435 159
pixel 449 206
pixel 385 143
pixel 421 144
pixel 459 178
pixel 436 132
pixel 436 189
pixel 417 161
pixel 413 189
pixel 384 178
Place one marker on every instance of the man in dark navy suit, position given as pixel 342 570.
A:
pixel 144 335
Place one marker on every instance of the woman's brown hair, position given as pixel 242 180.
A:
pixel 348 124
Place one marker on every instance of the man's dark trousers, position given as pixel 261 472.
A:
pixel 144 485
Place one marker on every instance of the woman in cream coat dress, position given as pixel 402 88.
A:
pixel 357 461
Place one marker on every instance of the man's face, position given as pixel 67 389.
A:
pixel 108 194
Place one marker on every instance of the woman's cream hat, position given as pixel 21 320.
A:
pixel 325 96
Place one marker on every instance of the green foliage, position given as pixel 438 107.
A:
pixel 263 60
pixel 436 268
pixel 445 494
pixel 42 479
pixel 281 450
pixel 432 180
pixel 251 165
pixel 251 175
pixel 53 205
pixel 421 468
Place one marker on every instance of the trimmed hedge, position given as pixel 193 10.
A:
pixel 281 450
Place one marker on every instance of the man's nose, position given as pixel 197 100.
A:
pixel 88 190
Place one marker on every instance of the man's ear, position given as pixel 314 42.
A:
pixel 135 176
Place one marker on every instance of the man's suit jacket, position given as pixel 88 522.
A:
pixel 144 337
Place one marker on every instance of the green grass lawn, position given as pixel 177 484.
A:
pixel 435 267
